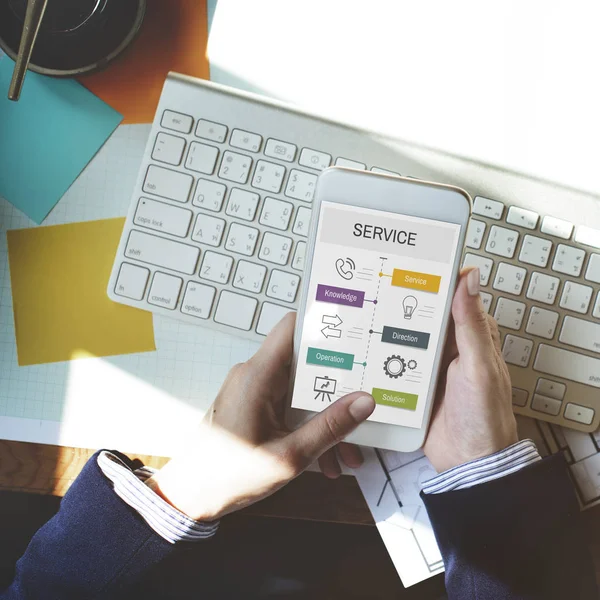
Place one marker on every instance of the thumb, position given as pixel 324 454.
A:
pixel 471 327
pixel 329 427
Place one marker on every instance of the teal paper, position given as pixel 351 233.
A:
pixel 47 138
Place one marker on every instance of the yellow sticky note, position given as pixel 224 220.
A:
pixel 58 276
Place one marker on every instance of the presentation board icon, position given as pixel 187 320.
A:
pixel 325 388
pixel 345 268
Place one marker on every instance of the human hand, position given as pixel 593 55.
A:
pixel 243 451
pixel 473 414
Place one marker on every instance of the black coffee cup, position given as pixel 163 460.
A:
pixel 75 36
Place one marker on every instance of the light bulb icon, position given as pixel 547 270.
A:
pixel 409 304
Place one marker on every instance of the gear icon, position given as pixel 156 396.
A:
pixel 394 366
pixel 412 365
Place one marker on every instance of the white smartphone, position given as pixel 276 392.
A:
pixel 381 267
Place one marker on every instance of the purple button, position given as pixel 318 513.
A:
pixel 337 295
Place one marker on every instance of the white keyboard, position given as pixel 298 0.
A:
pixel 216 235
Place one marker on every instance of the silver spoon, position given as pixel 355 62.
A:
pixel 33 19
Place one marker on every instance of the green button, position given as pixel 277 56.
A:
pixel 339 360
pixel 395 399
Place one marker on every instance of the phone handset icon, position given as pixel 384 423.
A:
pixel 345 268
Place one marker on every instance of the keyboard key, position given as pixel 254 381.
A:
pixel 244 140
pixel 236 310
pixel 557 227
pixel 475 233
pixel 542 322
pixel 168 148
pixel 216 267
pixel 162 252
pixel 568 260
pixel 300 254
pixel 281 150
pixel 276 213
pixel 275 248
pixel 249 276
pixel 132 281
pixel 519 397
pixel 596 311
pixel 198 300
pixel 535 251
pixel 176 121
pixel 580 333
pixel 509 279
pixel 270 315
pixel 350 164
pixel 579 414
pixel 163 217
pixel 235 167
pixel 211 131
pixel 522 217
pixel 549 406
pixel 301 185
pixel 209 195
pixel 314 159
pixel 485 266
pixel 242 239
pixel 568 365
pixel 201 158
pixel 509 313
pixel 488 208
pixel 502 241
pixel 592 272
pixel 302 222
pixel 242 204
pixel 551 389
pixel 517 350
pixel 283 285
pixel 165 290
pixel 384 172
pixel 543 288
pixel 486 300
pixel 268 177
pixel 168 184
pixel 208 230
pixel 588 236
pixel 576 297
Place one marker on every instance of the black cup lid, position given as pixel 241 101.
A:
pixel 76 36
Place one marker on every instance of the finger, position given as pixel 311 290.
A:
pixel 277 349
pixel 329 427
pixel 350 454
pixel 450 349
pixel 495 332
pixel 472 330
pixel 329 464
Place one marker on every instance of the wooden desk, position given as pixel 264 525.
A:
pixel 43 469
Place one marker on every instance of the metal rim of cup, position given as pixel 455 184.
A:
pixel 133 33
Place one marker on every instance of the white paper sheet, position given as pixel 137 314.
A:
pixel 391 483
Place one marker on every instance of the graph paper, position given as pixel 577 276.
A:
pixel 139 402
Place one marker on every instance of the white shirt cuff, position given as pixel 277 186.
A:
pixel 168 522
pixel 484 469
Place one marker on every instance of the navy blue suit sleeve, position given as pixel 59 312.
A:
pixel 516 537
pixel 95 546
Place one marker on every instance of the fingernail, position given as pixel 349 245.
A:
pixel 362 407
pixel 473 282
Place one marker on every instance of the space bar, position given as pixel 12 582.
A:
pixel 570 365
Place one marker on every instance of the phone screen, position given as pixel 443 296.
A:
pixel 377 291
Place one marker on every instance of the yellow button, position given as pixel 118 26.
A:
pixel 416 281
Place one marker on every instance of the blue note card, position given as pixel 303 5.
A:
pixel 47 138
